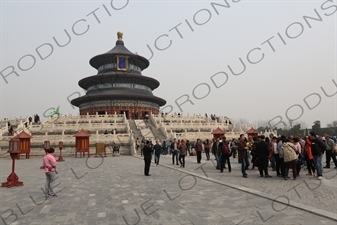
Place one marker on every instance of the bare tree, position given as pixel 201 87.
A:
pixel 262 123
pixel 332 124
pixel 332 128
pixel 300 122
pixel 317 127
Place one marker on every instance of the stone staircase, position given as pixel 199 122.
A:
pixel 157 133
pixel 145 130
pixel 136 132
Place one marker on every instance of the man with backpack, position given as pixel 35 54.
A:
pixel 225 154
pixel 330 144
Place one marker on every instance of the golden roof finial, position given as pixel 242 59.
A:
pixel 120 35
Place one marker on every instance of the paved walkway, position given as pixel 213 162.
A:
pixel 113 190
pixel 306 190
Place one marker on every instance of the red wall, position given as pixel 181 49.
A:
pixel 118 109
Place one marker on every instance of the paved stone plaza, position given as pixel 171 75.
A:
pixel 113 190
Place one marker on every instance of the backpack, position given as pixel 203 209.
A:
pixel 331 144
pixel 225 149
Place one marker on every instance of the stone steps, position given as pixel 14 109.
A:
pixel 159 135
pixel 136 132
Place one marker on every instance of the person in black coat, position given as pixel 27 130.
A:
pixel 225 155
pixel 317 148
pixel 253 153
pixel 262 152
pixel 147 151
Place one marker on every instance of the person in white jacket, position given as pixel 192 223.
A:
pixel 288 150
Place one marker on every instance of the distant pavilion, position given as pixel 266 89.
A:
pixel 119 86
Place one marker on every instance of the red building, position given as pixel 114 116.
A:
pixel 252 132
pixel 218 133
pixel 119 85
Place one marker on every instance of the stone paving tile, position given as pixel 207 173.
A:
pixel 305 190
pixel 114 191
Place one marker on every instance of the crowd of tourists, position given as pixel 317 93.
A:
pixel 279 153
pixel 213 117
pixel 284 153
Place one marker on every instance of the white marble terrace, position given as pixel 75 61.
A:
pixel 62 128
pixel 192 127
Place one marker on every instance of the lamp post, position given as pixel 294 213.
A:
pixel 60 159
pixel 14 150
pixel 46 147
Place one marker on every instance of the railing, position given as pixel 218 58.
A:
pixel 128 129
pixel 193 135
pixel 62 118
pixel 3 130
pixel 195 126
pixel 78 126
pixel 87 118
pixel 202 135
pixel 163 129
pixel 132 146
pixel 189 121
pixel 153 121
pixel 70 139
pixel 13 121
pixel 124 117
pixel 175 118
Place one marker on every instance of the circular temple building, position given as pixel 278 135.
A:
pixel 119 86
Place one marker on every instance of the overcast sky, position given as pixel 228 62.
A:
pixel 290 60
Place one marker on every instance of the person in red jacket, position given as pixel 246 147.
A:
pixel 198 149
pixel 309 158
